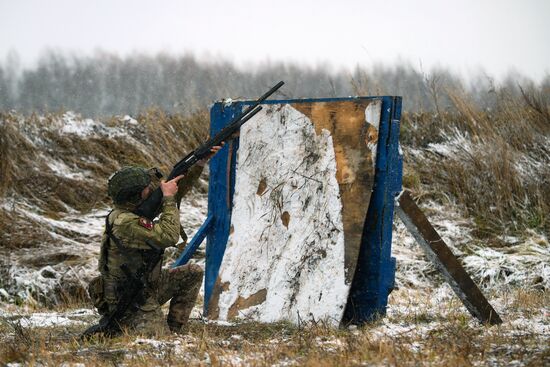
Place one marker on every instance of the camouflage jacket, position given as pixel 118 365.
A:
pixel 133 232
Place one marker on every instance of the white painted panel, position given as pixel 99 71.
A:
pixel 272 271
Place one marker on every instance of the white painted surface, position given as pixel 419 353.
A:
pixel 302 266
pixel 372 116
pixel 372 113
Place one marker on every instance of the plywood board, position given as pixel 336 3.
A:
pixel 441 255
pixel 303 182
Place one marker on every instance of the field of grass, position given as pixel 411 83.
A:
pixel 422 328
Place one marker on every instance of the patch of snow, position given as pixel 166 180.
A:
pixel 5 295
pixel 413 268
pixel 455 142
pixel 78 234
pixel 78 127
pixel 27 282
pixel 152 342
pixel 330 344
pixel 193 211
pixel 511 240
pixel 61 169
pixel 73 124
pixel 80 312
pixel 390 330
pixel 89 225
pixel 231 358
pixel 221 322
pixel 530 168
pixel 525 262
pixel 129 120
pixel 286 362
pixel 47 320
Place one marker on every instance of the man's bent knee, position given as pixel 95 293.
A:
pixel 194 268
pixel 191 269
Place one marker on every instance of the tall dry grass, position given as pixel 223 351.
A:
pixel 495 164
pixel 497 170
pixel 31 145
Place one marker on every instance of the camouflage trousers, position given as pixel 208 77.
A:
pixel 180 286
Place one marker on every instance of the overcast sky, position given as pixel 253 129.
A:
pixel 496 35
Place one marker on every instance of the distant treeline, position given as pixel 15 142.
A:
pixel 106 84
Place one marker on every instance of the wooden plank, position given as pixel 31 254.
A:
pixel 355 140
pixel 190 249
pixel 304 178
pixel 440 254
pixel 220 191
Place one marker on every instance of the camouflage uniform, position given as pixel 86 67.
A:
pixel 180 285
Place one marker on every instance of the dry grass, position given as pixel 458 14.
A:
pixel 417 331
pixel 500 174
pixel 50 174
pixel 29 146
pixel 495 165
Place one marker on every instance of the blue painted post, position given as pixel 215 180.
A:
pixel 375 272
pixel 220 195
pixel 195 242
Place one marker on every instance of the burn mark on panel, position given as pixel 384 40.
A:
pixel 213 305
pixel 285 217
pixel 371 135
pixel 262 186
pixel 243 303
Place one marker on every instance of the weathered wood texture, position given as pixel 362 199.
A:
pixel 355 140
pixel 375 271
pixel 440 254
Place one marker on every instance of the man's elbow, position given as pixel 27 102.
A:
pixel 170 239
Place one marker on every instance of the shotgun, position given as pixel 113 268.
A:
pixel 150 207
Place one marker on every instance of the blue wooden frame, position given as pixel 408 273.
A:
pixel 190 249
pixel 375 271
pixel 374 276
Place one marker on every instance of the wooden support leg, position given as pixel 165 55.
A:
pixel 440 254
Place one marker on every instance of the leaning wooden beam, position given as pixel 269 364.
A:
pixel 440 254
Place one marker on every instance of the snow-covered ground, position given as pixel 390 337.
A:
pixel 524 262
pixel 418 323
pixel 70 250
